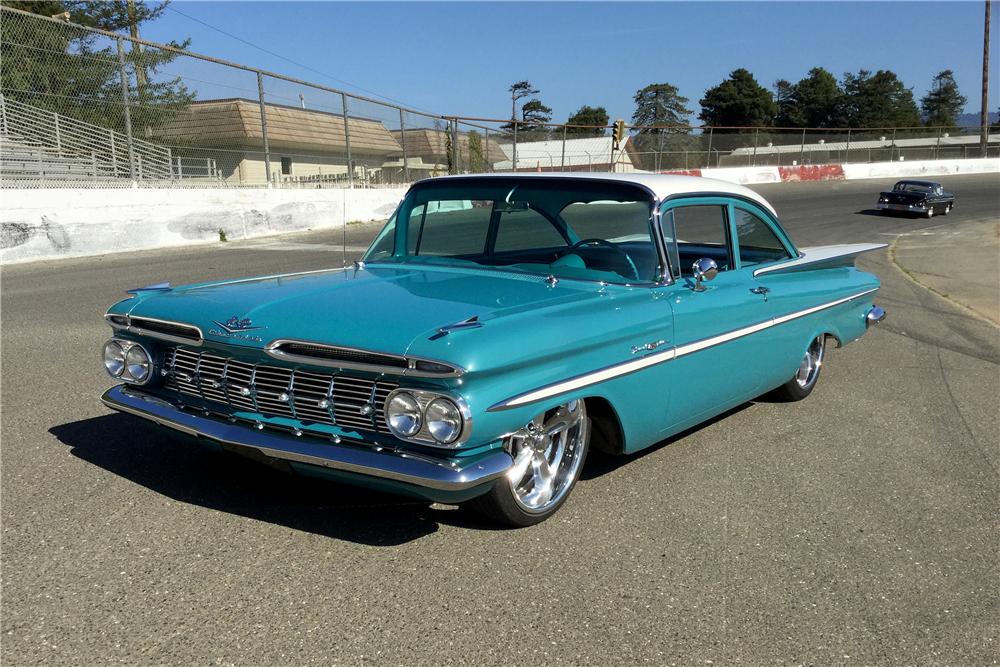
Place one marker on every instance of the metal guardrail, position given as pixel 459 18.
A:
pixel 69 137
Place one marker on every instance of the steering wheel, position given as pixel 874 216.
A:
pixel 614 246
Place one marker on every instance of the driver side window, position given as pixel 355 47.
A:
pixel 702 231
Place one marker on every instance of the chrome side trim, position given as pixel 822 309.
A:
pixel 629 367
pixel 407 467
pixel 411 370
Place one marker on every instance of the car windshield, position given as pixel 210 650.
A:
pixel 593 230
pixel 921 188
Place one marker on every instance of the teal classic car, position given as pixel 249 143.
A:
pixel 498 327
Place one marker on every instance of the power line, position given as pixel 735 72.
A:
pixel 271 53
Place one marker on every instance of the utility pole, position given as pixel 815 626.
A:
pixel 985 131
pixel 141 79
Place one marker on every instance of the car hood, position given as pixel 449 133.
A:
pixel 381 308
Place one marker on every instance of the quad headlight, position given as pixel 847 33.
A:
pixel 403 415
pixel 128 361
pixel 444 421
pixel 428 417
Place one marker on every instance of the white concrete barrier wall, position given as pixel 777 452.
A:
pixel 51 224
pixel 57 223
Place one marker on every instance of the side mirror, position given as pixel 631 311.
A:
pixel 704 269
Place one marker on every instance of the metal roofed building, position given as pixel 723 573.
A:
pixel 588 154
pixel 884 148
pixel 427 152
pixel 303 144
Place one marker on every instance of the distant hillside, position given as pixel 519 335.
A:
pixel 967 119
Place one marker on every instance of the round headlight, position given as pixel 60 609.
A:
pixel 403 415
pixel 114 359
pixel 444 420
pixel 138 363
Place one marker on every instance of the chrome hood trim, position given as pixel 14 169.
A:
pixel 353 358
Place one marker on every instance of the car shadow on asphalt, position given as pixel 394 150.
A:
pixel 599 463
pixel 179 468
pixel 870 211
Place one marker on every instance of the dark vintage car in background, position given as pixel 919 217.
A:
pixel 922 197
pixel 497 328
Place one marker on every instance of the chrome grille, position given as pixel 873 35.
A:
pixel 281 392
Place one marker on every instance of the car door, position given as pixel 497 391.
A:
pixel 759 245
pixel 716 360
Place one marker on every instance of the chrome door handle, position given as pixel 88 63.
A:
pixel 761 290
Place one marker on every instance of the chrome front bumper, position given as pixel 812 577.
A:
pixel 350 456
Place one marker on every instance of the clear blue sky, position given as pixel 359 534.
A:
pixel 460 58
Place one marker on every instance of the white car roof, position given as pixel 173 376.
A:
pixel 661 185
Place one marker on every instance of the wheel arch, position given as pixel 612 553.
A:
pixel 606 432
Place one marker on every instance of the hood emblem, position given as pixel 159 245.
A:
pixel 236 325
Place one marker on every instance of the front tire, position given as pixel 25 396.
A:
pixel 548 454
pixel 930 212
pixel 804 381
pixel 947 209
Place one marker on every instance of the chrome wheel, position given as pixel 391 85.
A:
pixel 930 212
pixel 547 455
pixel 947 209
pixel 811 363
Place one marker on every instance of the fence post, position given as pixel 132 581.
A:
pixel 128 115
pixel 114 154
pixel 402 139
pixel 514 161
pixel 756 135
pixel 937 147
pixel 456 149
pixel 892 144
pixel 562 165
pixel 55 117
pixel 847 157
pixel 347 137
pixel 488 167
pixel 708 153
pixel 802 148
pixel 263 127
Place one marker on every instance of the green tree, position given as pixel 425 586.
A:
pixel 878 101
pixel 783 99
pixel 739 101
pixel 533 112
pixel 661 114
pixel 816 100
pixel 943 103
pixel 588 116
pixel 59 67
pixel 477 164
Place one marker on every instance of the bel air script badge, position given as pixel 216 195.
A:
pixel 235 328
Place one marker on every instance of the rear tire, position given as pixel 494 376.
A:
pixel 804 380
pixel 548 454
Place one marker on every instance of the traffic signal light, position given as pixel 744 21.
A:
pixel 618 134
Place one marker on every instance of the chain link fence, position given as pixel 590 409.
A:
pixel 82 107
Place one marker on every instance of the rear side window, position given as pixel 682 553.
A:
pixel 757 242
pixel 701 232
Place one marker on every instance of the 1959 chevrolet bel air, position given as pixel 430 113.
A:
pixel 497 328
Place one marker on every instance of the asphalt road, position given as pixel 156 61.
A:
pixel 858 527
